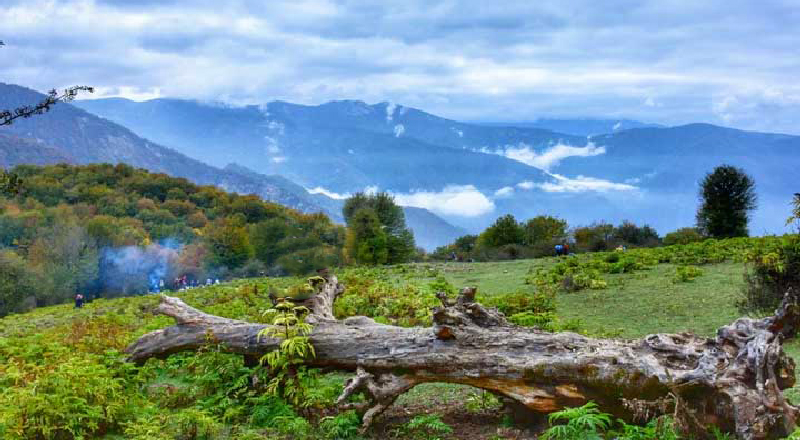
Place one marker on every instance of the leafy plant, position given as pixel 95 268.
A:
pixel 481 401
pixel 424 427
pixel 290 379
pixel 660 428
pixel 580 423
pixel 344 426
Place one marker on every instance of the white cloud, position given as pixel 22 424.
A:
pixel 458 200
pixel 399 129
pixel 331 194
pixel 279 159
pixel 504 192
pixel 548 158
pixel 527 184
pixel 513 60
pixel 581 184
pixel 371 190
pixel 617 126
pixel 350 151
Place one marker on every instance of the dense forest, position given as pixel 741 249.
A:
pixel 110 230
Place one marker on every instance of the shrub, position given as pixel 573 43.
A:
pixel 683 236
pixel 511 304
pixel 342 427
pixel 582 423
pixel 774 269
pixel 424 427
pixel 685 274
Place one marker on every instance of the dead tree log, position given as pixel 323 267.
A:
pixel 733 381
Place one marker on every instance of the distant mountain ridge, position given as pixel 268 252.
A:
pixel 72 135
pixel 578 127
pixel 342 146
pixel 634 172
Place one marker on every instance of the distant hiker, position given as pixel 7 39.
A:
pixel 78 301
pixel 208 281
pixel 161 284
pixel 566 249
pixel 559 250
pixel 216 281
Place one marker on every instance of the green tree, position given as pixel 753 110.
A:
pixel 727 196
pixel 17 282
pixel 795 217
pixel 596 237
pixel 629 233
pixel 544 229
pixel 366 240
pixel 229 243
pixel 505 230
pixel 399 239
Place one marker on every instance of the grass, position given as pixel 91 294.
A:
pixel 633 305
pixel 650 302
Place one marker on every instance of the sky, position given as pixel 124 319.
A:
pixel 728 62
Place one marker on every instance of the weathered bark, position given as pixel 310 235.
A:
pixel 733 381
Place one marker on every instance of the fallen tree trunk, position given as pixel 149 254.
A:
pixel 733 381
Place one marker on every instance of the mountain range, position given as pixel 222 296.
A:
pixel 470 173
pixel 68 134
pixel 459 176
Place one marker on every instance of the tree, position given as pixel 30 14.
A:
pixel 399 239
pixel 366 238
pixel 727 195
pixel 544 229
pixel 17 281
pixel 229 243
pixel 596 237
pixel 795 217
pixel 629 233
pixel 505 230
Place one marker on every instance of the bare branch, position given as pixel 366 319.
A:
pixel 8 116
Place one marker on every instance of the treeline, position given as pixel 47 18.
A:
pixel 112 230
pixel 508 239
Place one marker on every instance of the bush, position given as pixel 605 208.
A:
pixel 774 268
pixel 428 426
pixel 685 274
pixel 511 304
pixel 683 236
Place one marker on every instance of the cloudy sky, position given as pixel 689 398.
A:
pixel 729 62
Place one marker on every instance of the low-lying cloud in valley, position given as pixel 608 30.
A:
pixel 548 158
pixel 581 184
pixel 458 200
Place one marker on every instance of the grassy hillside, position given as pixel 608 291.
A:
pixel 63 376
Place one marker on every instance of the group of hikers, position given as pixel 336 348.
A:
pixel 184 283
pixel 562 249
